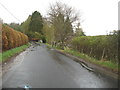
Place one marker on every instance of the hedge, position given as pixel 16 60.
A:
pixel 12 38
pixel 99 47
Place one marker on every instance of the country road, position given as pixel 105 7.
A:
pixel 41 67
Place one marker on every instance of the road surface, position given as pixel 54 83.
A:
pixel 41 67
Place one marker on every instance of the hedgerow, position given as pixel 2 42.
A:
pixel 99 47
pixel 12 38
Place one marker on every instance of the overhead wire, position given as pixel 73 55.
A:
pixel 9 12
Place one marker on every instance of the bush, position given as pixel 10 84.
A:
pixel 99 47
pixel 12 38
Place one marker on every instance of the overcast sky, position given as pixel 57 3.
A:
pixel 99 16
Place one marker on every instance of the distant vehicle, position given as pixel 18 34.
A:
pixel 35 39
pixel 40 41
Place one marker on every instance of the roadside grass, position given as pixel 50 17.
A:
pixel 9 53
pixel 106 64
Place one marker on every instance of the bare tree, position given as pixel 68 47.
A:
pixel 62 17
pixel 61 8
pixel 79 30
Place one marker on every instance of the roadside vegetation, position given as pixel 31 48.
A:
pixel 11 38
pixel 13 42
pixel 12 52
pixel 103 48
pixel 32 26
pixel 106 64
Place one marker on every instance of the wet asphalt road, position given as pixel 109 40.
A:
pixel 40 67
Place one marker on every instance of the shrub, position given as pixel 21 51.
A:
pixel 99 47
pixel 12 38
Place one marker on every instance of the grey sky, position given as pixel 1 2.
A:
pixel 99 16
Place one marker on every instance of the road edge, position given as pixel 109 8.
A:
pixel 96 68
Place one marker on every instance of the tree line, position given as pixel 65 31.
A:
pixel 32 27
pixel 56 28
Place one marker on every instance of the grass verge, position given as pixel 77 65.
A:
pixel 106 64
pixel 9 53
